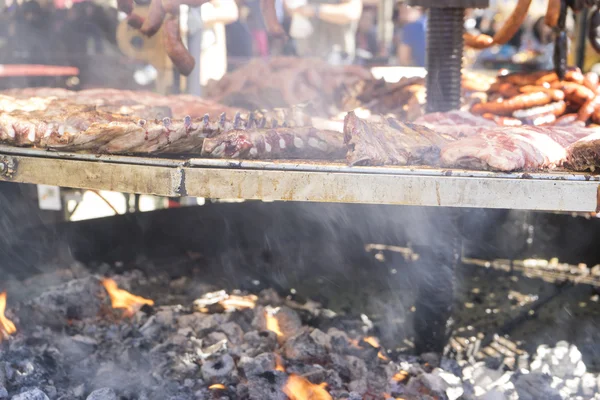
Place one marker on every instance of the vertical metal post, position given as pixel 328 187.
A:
pixel 581 22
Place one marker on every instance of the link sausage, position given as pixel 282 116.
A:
pixel 513 23
pixel 503 121
pixel 182 59
pixel 154 20
pixel 555 94
pixel 507 107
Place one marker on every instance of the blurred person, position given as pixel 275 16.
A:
pixel 207 41
pixel 256 24
pixel 325 28
pixel 366 36
pixel 412 48
pixel 239 40
pixel 540 39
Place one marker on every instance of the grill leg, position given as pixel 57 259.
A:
pixel 444 58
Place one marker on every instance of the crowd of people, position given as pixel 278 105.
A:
pixel 223 34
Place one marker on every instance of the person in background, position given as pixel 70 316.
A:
pixel 325 28
pixel 366 36
pixel 239 40
pixel 412 48
pixel 540 39
pixel 256 24
pixel 207 42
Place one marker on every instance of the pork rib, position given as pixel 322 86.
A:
pixel 276 143
pixel 584 154
pixel 390 142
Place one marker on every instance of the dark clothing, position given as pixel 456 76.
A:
pixel 239 44
pixel 255 19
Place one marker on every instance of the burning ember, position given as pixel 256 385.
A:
pixel 279 363
pixel 6 326
pixel 217 386
pixel 228 302
pixel 123 299
pixel 299 388
pixel 272 323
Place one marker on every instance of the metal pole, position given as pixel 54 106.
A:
pixel 581 22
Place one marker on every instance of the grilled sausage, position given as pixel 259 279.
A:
pixel 567 119
pixel 552 13
pixel 555 94
pixel 135 20
pixel 507 107
pixel 538 120
pixel 590 81
pixel 588 109
pixel 521 79
pixel 574 75
pixel 513 23
pixel 557 108
pixel 481 41
pixel 503 121
pixel 576 93
pixel 182 59
pixel 270 17
pixel 154 20
pixel 508 90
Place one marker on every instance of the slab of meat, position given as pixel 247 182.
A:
pixel 78 127
pixel 276 143
pixel 584 154
pixel 514 149
pixel 390 142
pixel 453 118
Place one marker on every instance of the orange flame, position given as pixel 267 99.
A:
pixel 272 323
pixel 375 343
pixel 6 326
pixel 216 386
pixel 279 363
pixel 299 388
pixel 400 376
pixel 120 298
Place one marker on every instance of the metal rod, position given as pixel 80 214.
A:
pixel 581 21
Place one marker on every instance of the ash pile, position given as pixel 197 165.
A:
pixel 89 337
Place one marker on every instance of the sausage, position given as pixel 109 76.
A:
pixel 566 120
pixel 135 20
pixel 503 121
pixel 508 90
pixel 269 14
pixel 125 5
pixel 521 79
pixel 555 94
pixel 576 93
pixel 552 13
pixel 588 109
pixel 574 75
pixel 593 30
pixel 154 20
pixel 561 48
pixel 538 120
pixel 182 59
pixel 481 41
pixel 513 23
pixel 557 108
pixel 507 107
pixel 590 81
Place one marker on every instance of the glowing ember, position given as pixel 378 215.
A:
pixel 6 326
pixel 298 388
pixel 229 302
pixel 120 298
pixel 372 341
pixel 279 363
pixel 400 376
pixel 216 386
pixel 375 343
pixel 272 323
